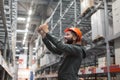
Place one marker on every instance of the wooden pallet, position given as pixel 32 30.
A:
pixel 98 38
pixel 86 11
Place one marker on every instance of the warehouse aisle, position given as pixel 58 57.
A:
pixel 24 56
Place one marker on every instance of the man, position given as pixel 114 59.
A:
pixel 71 48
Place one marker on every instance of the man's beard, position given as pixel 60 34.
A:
pixel 69 41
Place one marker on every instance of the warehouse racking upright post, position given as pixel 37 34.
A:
pixel 6 53
pixel 106 39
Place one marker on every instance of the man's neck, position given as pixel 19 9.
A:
pixel 77 43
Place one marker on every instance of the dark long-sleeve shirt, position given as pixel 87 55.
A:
pixel 74 55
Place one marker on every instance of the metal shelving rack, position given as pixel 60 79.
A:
pixel 67 14
pixel 7 13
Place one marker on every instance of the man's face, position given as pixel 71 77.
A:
pixel 68 37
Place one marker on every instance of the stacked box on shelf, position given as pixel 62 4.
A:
pixel 52 58
pixel 116 16
pixel 117 54
pixel 40 52
pixel 82 71
pixel 102 61
pixel 92 69
pixel 47 59
pixel 95 70
pixel 85 5
pixel 43 61
pixel 117 51
pixel 98 25
pixel 87 71
pixel 99 70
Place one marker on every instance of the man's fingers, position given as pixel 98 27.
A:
pixel 46 23
pixel 38 29
pixel 43 27
pixel 41 31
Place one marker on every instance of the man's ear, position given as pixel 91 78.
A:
pixel 74 38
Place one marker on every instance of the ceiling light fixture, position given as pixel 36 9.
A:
pixel 28 19
pixel 30 12
pixel 34 48
pixel 21 19
pixel 27 25
pixel 25 47
pixel 24 41
pixel 18 41
pixel 25 36
pixel 26 30
pixel 17 50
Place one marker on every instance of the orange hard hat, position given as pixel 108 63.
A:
pixel 76 30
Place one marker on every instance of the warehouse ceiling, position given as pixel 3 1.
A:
pixel 41 10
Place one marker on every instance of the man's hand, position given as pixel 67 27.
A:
pixel 43 29
pixel 42 33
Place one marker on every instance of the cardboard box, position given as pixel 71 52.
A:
pixel 102 61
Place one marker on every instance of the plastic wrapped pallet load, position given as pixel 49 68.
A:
pixel 85 5
pixel 52 58
pixel 98 24
pixel 117 51
pixel 44 60
pixel 41 62
pixel 47 59
pixel 116 16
